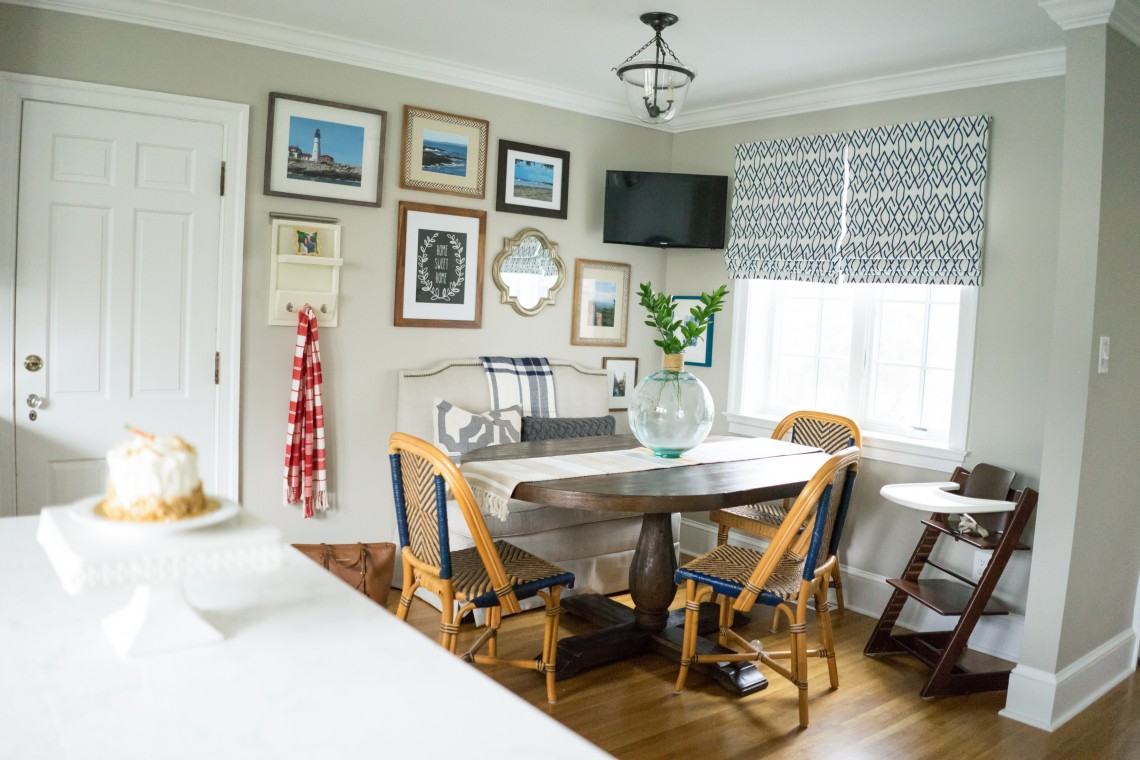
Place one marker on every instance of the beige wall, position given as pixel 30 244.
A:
pixel 360 356
pixel 1014 311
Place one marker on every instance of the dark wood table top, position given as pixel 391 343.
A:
pixel 694 488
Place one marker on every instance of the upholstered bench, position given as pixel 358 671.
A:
pixel 596 546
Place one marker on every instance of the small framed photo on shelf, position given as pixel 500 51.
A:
pixel 532 180
pixel 601 303
pixel 439 266
pixel 305 236
pixel 699 352
pixel 622 374
pixel 444 153
pixel 323 151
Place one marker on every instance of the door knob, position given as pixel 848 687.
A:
pixel 35 401
pixel 33 363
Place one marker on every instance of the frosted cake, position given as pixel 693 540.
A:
pixel 154 479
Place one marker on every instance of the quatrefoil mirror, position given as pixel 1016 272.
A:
pixel 528 271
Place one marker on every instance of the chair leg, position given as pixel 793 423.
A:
pixel 727 618
pixel 837 584
pixel 689 638
pixel 721 535
pixel 826 638
pixel 448 625
pixel 408 592
pixel 798 631
pixel 550 640
pixel 494 622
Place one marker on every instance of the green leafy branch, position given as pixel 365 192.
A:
pixel 661 317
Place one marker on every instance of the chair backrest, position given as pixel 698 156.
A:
pixel 421 477
pixel 807 531
pixel 830 432
pixel 987 481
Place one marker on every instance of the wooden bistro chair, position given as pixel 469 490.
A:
pixel 792 571
pixel 830 432
pixel 492 574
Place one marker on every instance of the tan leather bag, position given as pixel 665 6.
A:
pixel 367 568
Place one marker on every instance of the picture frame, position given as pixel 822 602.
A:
pixel 309 236
pixel 439 277
pixel 352 169
pixel 601 303
pixel 699 352
pixel 532 180
pixel 444 153
pixel 621 372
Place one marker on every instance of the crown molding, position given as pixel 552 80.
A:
pixel 1074 14
pixel 1012 68
pixel 328 47
pixel 274 36
pixel 1126 19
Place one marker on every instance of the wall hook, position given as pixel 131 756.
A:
pixel 289 307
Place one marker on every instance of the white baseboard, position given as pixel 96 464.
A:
pixel 1049 700
pixel 868 594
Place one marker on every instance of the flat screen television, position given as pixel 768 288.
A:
pixel 665 210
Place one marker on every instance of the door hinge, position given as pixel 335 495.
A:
pixel 222 185
pixel 217 367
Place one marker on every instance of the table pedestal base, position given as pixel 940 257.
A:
pixel 157 619
pixel 621 638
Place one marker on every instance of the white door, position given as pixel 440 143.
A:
pixel 116 291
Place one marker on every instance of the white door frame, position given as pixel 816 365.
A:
pixel 234 120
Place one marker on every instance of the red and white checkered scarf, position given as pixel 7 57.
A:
pixel 305 439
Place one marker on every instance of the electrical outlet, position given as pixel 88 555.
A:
pixel 981 559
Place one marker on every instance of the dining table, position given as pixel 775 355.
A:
pixel 622 632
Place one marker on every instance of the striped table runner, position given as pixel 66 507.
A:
pixel 494 482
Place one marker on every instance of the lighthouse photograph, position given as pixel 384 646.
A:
pixel 325 151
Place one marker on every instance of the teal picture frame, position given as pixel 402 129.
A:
pixel 700 352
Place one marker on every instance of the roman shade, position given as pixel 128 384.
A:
pixel 897 204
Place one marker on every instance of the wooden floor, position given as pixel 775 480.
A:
pixel 629 709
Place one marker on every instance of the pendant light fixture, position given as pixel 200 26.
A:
pixel 657 82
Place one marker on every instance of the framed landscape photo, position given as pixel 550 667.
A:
pixel 699 352
pixel 532 180
pixel 324 151
pixel 444 153
pixel 439 266
pixel 601 303
pixel 622 375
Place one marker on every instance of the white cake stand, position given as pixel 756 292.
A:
pixel 90 553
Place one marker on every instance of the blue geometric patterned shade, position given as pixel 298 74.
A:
pixel 898 204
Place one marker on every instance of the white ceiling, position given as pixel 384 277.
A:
pixel 753 57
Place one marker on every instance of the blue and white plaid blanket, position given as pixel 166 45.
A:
pixel 527 381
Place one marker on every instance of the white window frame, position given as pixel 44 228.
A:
pixel 881 446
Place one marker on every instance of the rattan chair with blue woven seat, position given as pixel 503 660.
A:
pixel 830 432
pixel 492 575
pixel 792 571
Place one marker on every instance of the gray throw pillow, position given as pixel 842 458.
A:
pixel 458 431
pixel 551 428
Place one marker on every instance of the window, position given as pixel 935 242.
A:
pixel 896 358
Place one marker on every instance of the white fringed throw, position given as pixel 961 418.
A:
pixel 493 483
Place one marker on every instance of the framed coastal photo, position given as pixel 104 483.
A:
pixel 324 151
pixel 699 352
pixel 444 153
pixel 439 266
pixel 622 374
pixel 532 180
pixel 601 303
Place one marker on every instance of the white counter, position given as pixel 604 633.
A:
pixel 309 669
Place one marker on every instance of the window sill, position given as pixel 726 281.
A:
pixel 876 446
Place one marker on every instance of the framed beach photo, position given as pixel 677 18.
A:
pixel 444 153
pixel 622 375
pixel 324 151
pixel 601 303
pixel 439 266
pixel 699 352
pixel 532 180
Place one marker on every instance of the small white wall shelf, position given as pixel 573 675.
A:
pixel 304 269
